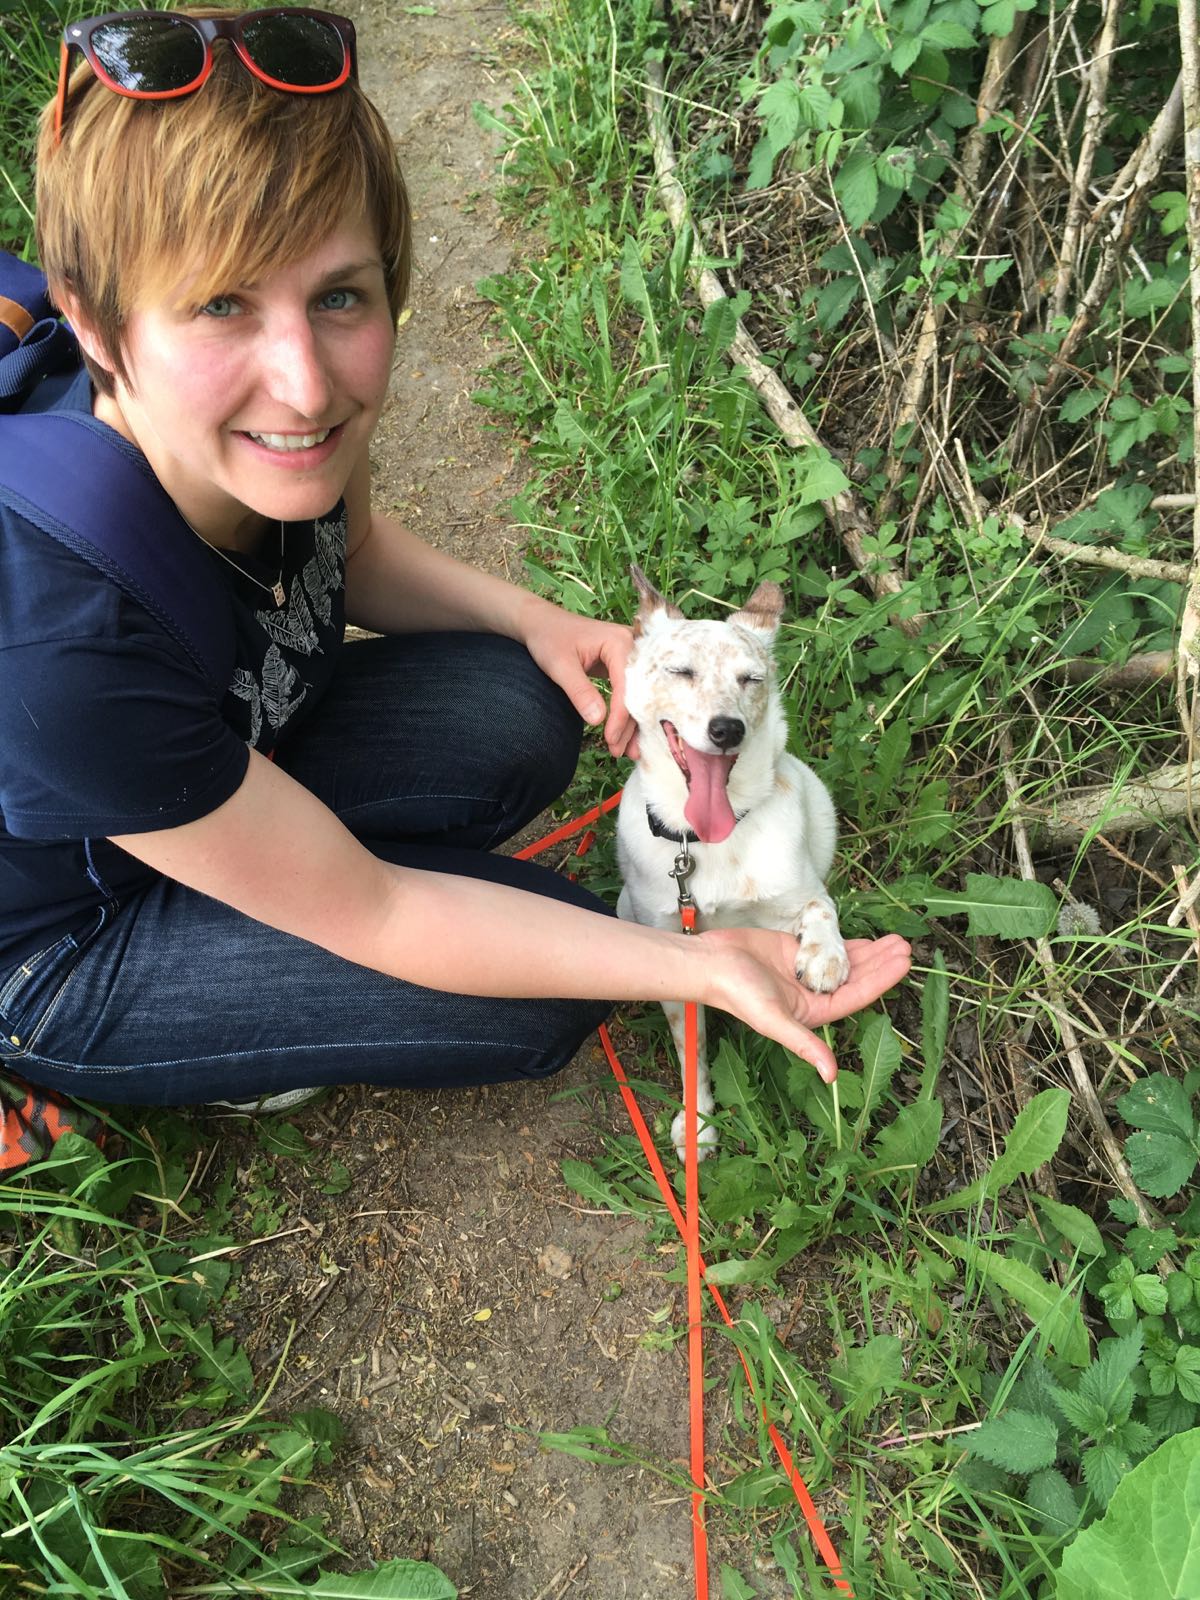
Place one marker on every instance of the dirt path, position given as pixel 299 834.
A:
pixel 456 1299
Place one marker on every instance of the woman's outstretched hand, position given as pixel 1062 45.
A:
pixel 752 976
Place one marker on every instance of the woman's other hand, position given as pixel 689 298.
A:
pixel 571 651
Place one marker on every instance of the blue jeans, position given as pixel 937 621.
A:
pixel 432 749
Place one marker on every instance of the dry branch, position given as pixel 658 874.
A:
pixel 1098 555
pixel 1093 127
pixel 1130 193
pixel 1001 54
pixel 1189 631
pixel 1164 796
pixel 845 512
pixel 1085 1089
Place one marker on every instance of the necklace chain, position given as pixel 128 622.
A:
pixel 275 590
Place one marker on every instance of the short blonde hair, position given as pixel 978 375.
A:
pixel 219 188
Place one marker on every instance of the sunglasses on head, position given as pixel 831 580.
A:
pixel 159 55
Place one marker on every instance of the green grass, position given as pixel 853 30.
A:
pixel 137 1443
pixel 647 448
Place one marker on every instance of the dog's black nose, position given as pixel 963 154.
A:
pixel 727 732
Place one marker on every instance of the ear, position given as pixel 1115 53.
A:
pixel 763 611
pixel 89 340
pixel 650 603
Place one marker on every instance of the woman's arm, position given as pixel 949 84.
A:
pixel 396 583
pixel 276 853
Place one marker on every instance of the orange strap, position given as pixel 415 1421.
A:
pixel 568 830
pixel 811 1515
pixel 689 1231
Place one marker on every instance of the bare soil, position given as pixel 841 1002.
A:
pixel 457 1298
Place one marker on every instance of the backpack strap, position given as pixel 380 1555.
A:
pixel 79 481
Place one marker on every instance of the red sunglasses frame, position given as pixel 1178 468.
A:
pixel 78 36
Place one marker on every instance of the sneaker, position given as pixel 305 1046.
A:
pixel 269 1102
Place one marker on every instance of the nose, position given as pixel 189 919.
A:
pixel 294 368
pixel 727 732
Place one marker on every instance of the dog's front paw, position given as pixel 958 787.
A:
pixel 821 961
pixel 822 967
pixel 706 1138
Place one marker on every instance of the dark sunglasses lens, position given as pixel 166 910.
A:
pixel 149 54
pixel 302 51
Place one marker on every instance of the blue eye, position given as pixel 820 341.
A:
pixel 340 299
pixel 221 305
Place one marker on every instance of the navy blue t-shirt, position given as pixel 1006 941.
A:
pixel 108 727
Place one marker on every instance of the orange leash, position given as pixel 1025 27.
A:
pixel 688 1226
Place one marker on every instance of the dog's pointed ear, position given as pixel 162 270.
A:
pixel 763 611
pixel 650 602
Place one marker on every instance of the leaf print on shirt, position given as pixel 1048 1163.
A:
pixel 279 681
pixel 245 688
pixel 318 593
pixel 293 627
pixel 329 539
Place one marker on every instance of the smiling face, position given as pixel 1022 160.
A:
pixel 259 403
pixel 703 695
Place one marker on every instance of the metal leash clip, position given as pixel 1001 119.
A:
pixel 681 872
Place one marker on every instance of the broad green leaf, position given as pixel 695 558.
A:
pixel 1074 1225
pixel 948 35
pixel 821 478
pixel 1160 1163
pixel 1107 1381
pixel 570 430
pixel 879 1051
pixel 857 187
pixel 1104 1465
pixel 1016 1441
pixel 733 1585
pixel 1147 1544
pixel 1158 1104
pixel 1080 403
pixel 935 1022
pixel 1034 1138
pixel 859 92
pixel 1004 908
pixel 779 112
pixel 910 1140
pixel 633 279
pixel 867 1371
pixel 1054 1312
pixel 393 1580
pixel 1051 1496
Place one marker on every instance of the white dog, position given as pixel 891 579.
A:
pixel 715 782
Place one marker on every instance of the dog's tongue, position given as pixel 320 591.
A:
pixel 709 814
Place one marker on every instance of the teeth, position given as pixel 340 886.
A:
pixel 291 441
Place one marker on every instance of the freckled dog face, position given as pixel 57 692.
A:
pixel 702 689
pixel 693 674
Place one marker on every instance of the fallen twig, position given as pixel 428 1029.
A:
pixel 1188 682
pixel 1098 555
pixel 1160 797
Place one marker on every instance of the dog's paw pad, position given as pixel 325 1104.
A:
pixel 822 966
pixel 706 1138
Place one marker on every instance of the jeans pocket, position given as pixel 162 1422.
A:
pixel 32 989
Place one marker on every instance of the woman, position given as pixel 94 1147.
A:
pixel 229 897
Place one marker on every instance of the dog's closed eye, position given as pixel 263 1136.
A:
pixel 747 678
pixel 683 672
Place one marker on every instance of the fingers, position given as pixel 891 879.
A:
pixel 813 1049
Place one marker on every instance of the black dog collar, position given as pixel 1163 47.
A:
pixel 660 830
